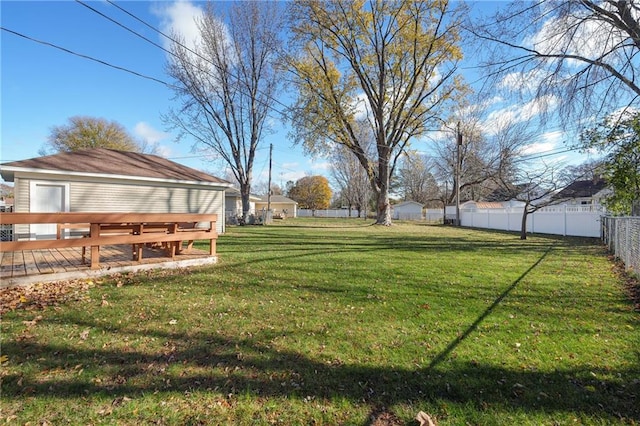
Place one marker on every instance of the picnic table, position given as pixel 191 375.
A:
pixel 169 230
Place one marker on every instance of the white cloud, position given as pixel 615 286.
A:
pixel 147 133
pixel 579 34
pixel 292 176
pixel 182 20
pixel 553 137
pixel 361 107
pixel 520 81
pixel 294 165
pixel 322 166
pixel 163 151
pixel 518 113
pixel 180 17
pixel 537 148
pixel 151 139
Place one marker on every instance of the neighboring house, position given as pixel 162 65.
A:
pixel 105 180
pixel 280 205
pixel 233 203
pixel 407 210
pixel 6 204
pixel 501 194
pixel 591 192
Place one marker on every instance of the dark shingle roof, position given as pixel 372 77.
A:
pixel 505 194
pixel 582 188
pixel 112 162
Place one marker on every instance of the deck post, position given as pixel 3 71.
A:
pixel 95 250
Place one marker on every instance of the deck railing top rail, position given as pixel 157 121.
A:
pixel 29 218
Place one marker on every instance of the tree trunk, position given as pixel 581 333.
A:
pixel 245 191
pixel 383 213
pixel 383 216
pixel 523 226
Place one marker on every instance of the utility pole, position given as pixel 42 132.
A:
pixel 445 201
pixel 458 167
pixel 267 219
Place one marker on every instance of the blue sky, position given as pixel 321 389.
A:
pixel 43 86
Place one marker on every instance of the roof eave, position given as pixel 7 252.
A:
pixel 8 173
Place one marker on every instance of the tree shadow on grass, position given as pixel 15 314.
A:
pixel 250 366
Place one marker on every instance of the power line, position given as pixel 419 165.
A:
pixel 543 154
pixel 123 26
pixel 178 43
pixel 91 58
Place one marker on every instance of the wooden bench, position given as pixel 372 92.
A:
pixel 137 229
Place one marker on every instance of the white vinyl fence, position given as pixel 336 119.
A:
pixel 434 215
pixel 334 213
pixel 622 236
pixel 579 221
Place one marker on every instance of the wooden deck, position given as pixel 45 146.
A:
pixel 45 265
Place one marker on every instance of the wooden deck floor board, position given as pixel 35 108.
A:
pixel 30 265
pixel 6 267
pixel 46 264
pixel 41 261
pixel 18 264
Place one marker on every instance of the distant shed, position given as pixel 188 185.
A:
pixel 407 210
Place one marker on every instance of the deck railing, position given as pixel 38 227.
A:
pixel 137 229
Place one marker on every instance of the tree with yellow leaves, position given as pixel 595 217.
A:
pixel 311 192
pixel 387 67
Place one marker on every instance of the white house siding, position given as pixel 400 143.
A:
pixel 21 193
pixel 132 196
pixel 149 198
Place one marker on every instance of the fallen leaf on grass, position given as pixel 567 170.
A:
pixel 33 321
pixel 40 295
pixel 84 334
pixel 105 411
pixel 120 400
pixel 425 419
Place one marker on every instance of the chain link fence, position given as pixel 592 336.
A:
pixel 622 236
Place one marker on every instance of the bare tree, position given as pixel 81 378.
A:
pixel 262 188
pixel 489 147
pixel 227 84
pixel 416 182
pixel 579 55
pixel 351 179
pixel 591 169
pixel 391 62
pixel 535 187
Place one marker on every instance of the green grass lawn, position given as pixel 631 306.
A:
pixel 339 322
